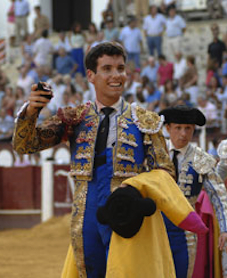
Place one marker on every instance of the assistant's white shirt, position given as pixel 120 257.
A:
pixel 180 156
pixel 179 68
pixel 42 51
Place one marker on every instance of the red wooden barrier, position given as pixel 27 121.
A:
pixel 20 189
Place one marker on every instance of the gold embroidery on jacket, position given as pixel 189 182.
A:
pixel 128 139
pixel 78 210
pixel 127 155
pixel 191 246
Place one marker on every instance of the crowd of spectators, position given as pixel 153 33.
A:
pixel 155 79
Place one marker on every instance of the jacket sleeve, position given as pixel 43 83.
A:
pixel 222 169
pixel 216 191
pixel 28 138
pixel 204 165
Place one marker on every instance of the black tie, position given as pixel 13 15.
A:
pixel 175 162
pixel 103 130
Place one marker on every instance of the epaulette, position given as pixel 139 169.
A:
pixel 146 121
pixel 73 115
pixel 202 162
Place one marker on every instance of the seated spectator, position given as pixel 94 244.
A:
pixel 213 90
pixel 179 67
pixel 213 149
pixel 169 95
pixel 77 42
pixel 165 71
pixel 64 63
pixel 8 101
pixel 67 80
pixel 188 82
pixel 133 82
pixel 153 98
pixel 212 70
pixel 19 99
pixel 58 88
pixel 99 39
pixel 4 80
pixel 63 42
pixel 39 74
pixel 210 112
pixel 139 97
pixel 91 34
pixel 88 95
pixel 78 82
pixel 145 83
pixel 43 50
pixel 66 99
pixel 76 98
pixel 25 81
pixel 27 48
pixel 79 98
pixel 6 126
pixel 184 99
pixel 150 70
pixel 111 33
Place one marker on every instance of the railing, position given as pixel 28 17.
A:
pixel 34 193
pixel 46 189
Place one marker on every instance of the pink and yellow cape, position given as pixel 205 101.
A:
pixel 148 253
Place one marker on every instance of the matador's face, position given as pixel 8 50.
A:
pixel 109 79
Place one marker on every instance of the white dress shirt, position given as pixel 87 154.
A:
pixel 180 156
pixel 113 120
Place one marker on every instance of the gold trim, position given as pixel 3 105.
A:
pixel 115 183
pixel 146 121
pixel 191 245
pixel 78 211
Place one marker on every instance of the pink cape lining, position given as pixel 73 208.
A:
pixel 204 264
pixel 193 223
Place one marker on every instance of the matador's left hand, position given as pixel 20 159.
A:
pixel 222 242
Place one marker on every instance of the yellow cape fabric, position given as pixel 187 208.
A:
pixel 70 269
pixel 148 253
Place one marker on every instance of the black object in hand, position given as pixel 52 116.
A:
pixel 124 211
pixel 41 87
